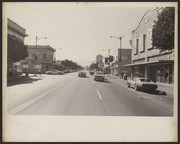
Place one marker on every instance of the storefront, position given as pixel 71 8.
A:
pixel 159 71
pixel 164 73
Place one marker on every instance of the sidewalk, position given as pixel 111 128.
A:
pixel 168 88
pixel 20 79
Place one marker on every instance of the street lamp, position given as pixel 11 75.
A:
pixel 108 58
pixel 36 51
pixel 119 51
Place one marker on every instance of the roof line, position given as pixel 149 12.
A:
pixel 144 16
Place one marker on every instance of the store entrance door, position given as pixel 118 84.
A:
pixel 152 74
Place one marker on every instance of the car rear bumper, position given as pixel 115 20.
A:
pixel 99 78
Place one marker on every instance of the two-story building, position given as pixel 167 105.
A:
pixel 148 61
pixel 40 58
pixel 121 57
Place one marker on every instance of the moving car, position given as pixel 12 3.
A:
pixel 54 71
pixel 139 83
pixel 98 75
pixel 81 74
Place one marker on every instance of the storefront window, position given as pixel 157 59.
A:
pixel 162 75
pixel 158 74
pixel 170 73
pixel 166 74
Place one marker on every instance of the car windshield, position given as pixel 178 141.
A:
pixel 99 73
pixel 145 80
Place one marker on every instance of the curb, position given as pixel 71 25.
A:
pixel 159 85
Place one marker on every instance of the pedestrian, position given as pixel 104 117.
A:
pixel 27 73
pixel 122 74
pixel 39 72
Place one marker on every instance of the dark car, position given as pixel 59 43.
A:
pixel 139 83
pixel 81 74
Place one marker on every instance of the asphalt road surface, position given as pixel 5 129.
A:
pixel 71 95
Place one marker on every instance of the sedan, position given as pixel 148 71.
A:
pixel 142 84
pixel 82 74
pixel 54 71
pixel 98 75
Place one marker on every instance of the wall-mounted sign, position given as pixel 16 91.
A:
pixel 162 57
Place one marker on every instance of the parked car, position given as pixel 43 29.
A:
pixel 139 83
pixel 54 71
pixel 98 75
pixel 81 74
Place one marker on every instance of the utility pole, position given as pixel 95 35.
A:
pixel 119 51
pixel 108 59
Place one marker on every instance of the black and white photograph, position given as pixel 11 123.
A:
pixel 72 70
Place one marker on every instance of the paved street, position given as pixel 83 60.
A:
pixel 69 94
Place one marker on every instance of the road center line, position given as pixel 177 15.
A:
pixel 99 94
pixel 15 110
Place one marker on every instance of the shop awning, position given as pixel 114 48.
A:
pixel 150 63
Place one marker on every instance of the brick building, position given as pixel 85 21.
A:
pixel 146 60
pixel 124 57
pixel 43 61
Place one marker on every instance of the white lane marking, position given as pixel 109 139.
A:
pixel 15 110
pixel 99 94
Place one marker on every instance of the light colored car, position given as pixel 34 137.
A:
pixel 54 71
pixel 81 74
pixel 139 83
pixel 98 75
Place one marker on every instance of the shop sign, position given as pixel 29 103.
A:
pixel 163 57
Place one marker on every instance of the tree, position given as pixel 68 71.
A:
pixel 163 30
pixel 93 66
pixel 71 65
pixel 16 49
pixel 99 58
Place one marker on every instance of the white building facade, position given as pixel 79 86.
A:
pixel 148 61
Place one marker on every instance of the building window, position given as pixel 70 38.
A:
pixel 144 41
pixel 44 56
pixel 137 46
pixel 149 39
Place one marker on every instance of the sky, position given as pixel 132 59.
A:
pixel 78 31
